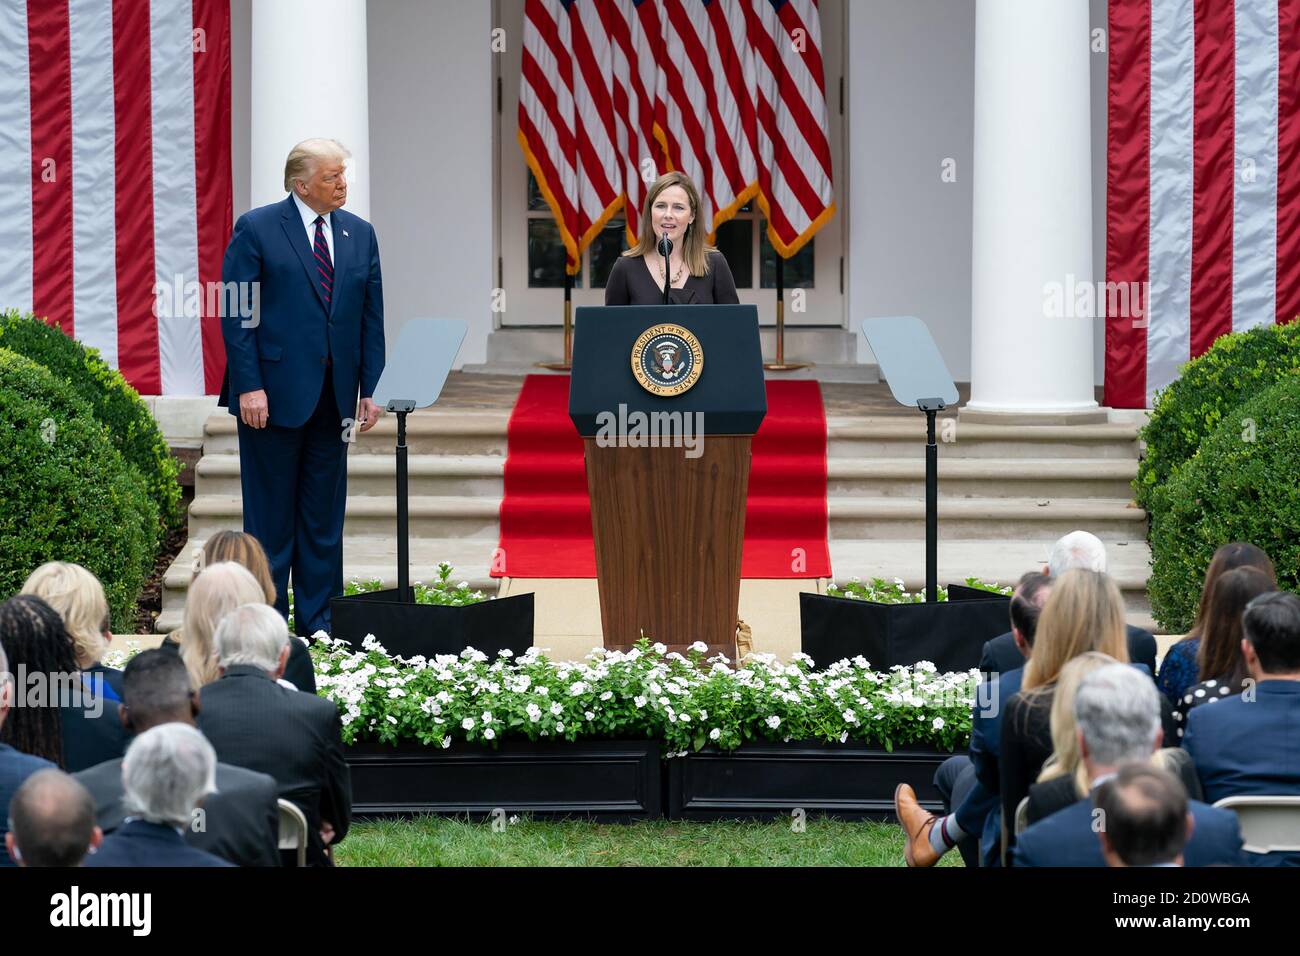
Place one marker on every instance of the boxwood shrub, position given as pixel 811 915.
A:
pixel 1243 484
pixel 131 427
pixel 67 493
pixel 1235 368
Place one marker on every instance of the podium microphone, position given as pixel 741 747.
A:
pixel 666 250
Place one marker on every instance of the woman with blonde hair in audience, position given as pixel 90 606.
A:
pixel 214 593
pixel 78 598
pixel 1084 613
pixel 1066 759
pixel 245 550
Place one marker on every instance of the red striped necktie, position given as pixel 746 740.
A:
pixel 324 267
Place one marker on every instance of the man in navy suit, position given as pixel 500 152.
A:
pixel 1147 820
pixel 166 773
pixel 1117 713
pixel 295 369
pixel 969 784
pixel 1249 744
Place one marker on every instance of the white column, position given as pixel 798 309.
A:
pixel 309 75
pixel 1032 224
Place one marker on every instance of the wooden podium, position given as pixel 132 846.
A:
pixel 668 521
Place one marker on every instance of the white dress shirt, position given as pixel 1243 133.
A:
pixel 309 223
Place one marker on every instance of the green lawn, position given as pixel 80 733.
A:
pixel 438 841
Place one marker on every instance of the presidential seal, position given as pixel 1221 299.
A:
pixel 667 359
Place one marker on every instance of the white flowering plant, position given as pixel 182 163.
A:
pixel 688 702
pixel 880 591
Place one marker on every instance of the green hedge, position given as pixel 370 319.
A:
pixel 1235 368
pixel 131 427
pixel 1243 484
pixel 67 493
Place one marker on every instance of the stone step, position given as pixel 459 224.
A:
pixel 883 518
pixel 482 475
pixel 429 432
pixel 431 516
pixel 869 518
pixel 364 559
pixel 901 437
pixel 375 475
pixel 983 477
pixel 479 432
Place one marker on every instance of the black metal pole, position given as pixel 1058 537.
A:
pixel 931 509
pixel 403 527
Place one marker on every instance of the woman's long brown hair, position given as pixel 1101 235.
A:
pixel 695 251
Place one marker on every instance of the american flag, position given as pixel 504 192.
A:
pixel 731 92
pixel 115 182
pixel 1203 197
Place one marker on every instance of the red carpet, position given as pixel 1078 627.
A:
pixel 546 515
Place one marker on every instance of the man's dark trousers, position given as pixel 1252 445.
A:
pixel 295 489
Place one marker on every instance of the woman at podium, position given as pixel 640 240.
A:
pixel 697 273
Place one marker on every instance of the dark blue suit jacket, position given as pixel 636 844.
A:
pixel 1066 838
pixel 139 843
pixel 293 333
pixel 1248 747
pixel 15 767
pixel 985 741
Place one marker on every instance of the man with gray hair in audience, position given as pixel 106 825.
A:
pixel 166 773
pixel 240 822
pixel 256 723
pixel 51 821
pixel 1117 715
pixel 1078 549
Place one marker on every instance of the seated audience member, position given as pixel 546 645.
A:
pixel 1221 670
pixel 1147 822
pixel 166 773
pixel 62 720
pixel 52 821
pixel 78 597
pixel 1084 613
pixel 254 722
pixel 1064 778
pixel 1117 711
pixel 241 819
pixel 1076 550
pixel 1180 667
pixel 215 592
pixel 1250 743
pixel 245 550
pixel 970 783
pixel 15 767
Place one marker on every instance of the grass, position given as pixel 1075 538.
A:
pixel 441 841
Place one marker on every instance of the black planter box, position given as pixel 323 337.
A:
pixel 850 781
pixel 406 630
pixel 610 780
pixel 951 634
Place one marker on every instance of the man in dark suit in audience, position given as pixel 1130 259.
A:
pixel 1147 822
pixel 15 766
pixel 240 822
pixel 254 722
pixel 970 783
pixel 54 821
pixel 166 773
pixel 1117 712
pixel 1249 744
pixel 1078 549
